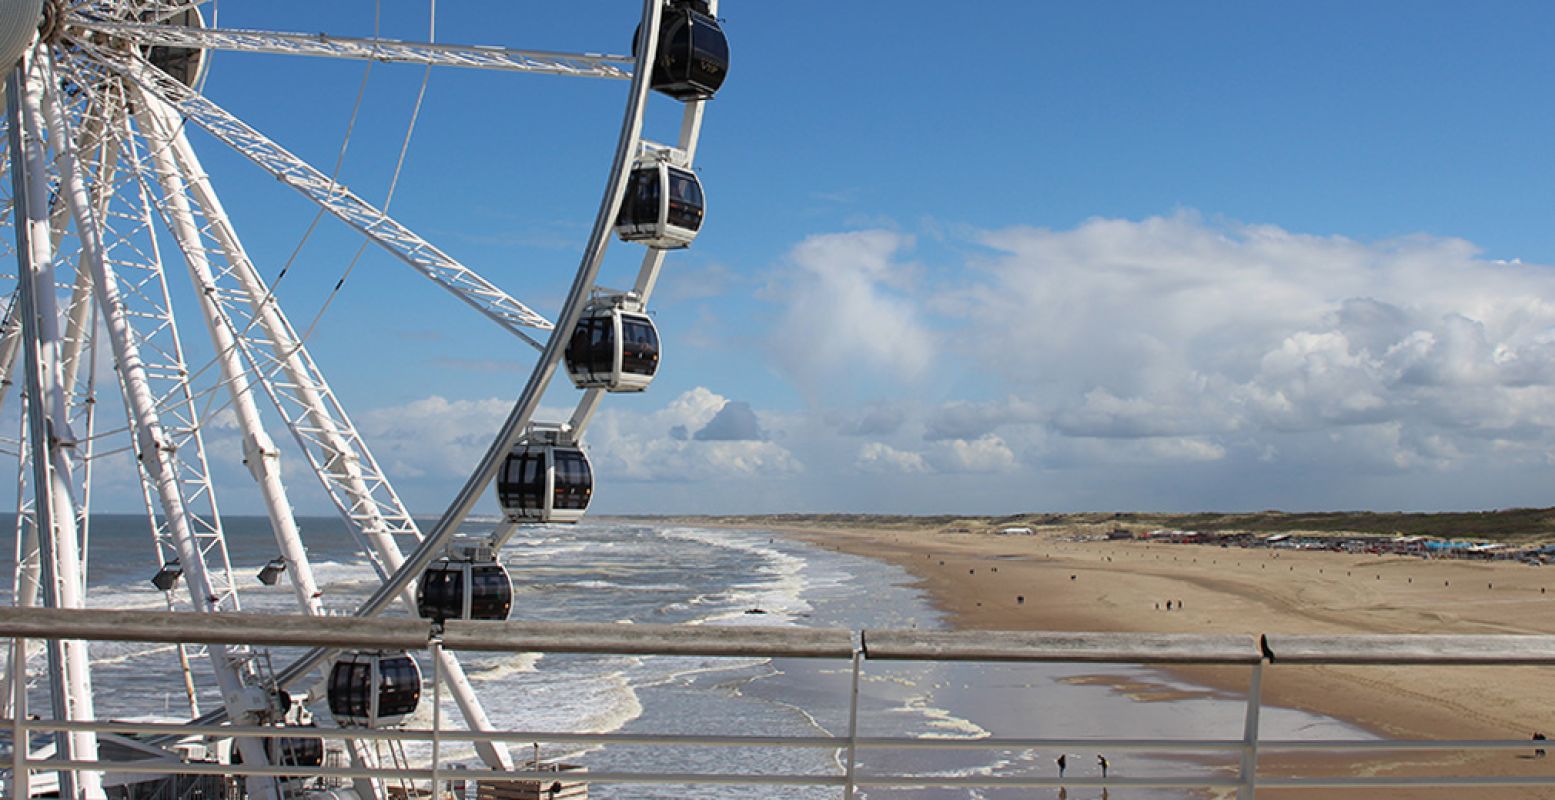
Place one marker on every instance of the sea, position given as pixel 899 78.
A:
pixel 637 572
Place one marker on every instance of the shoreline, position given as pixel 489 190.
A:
pixel 1122 586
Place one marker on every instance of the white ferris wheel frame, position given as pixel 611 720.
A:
pixel 117 153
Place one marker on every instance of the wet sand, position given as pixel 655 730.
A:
pixel 1123 586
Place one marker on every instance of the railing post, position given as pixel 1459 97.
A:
pixel 21 739
pixel 437 709
pixel 1249 788
pixel 847 792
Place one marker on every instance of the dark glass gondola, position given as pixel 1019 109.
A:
pixel 546 478
pixel 185 64
pixel 290 751
pixel 464 588
pixel 693 54
pixel 297 751
pixel 374 690
pixel 615 347
pixel 663 207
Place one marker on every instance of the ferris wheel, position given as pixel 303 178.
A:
pixel 101 170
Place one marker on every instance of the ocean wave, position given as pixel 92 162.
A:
pixel 517 664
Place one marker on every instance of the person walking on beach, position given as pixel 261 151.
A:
pixel 1062 761
pixel 1102 761
pixel 1538 736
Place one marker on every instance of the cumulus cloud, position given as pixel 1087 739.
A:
pixel 881 457
pixel 729 442
pixel 1205 337
pixel 984 454
pixel 735 422
pixel 846 315
pixel 432 435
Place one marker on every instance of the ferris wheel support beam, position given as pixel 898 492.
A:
pixel 346 466
pixel 54 508
pixel 260 454
pixel 589 65
pixel 76 330
pixel 10 342
pixel 401 242
pixel 10 327
pixel 155 447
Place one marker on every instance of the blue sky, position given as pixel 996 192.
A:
pixel 1113 255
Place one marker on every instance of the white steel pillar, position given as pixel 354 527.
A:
pixel 259 451
pixel 63 583
pixel 154 449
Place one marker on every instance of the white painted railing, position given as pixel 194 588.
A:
pixel 1254 653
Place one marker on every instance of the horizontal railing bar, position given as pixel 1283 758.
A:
pixel 1362 745
pixel 425 735
pixel 708 640
pixel 1132 648
pixel 98 624
pixel 674 740
pixel 973 781
pixel 616 638
pixel 1411 648
pixel 979 781
pixel 1405 782
pixel 418 774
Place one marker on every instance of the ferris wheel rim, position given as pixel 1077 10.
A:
pixel 161 110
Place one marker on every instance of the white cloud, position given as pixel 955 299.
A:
pixel 883 458
pixel 845 317
pixel 1175 329
pixel 985 454
pixel 433 435
pixel 666 445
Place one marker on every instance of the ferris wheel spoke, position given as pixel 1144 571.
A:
pixel 589 65
pixel 458 279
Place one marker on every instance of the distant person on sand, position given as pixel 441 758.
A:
pixel 1168 605
pixel 1062 761
pixel 1102 761
pixel 1539 736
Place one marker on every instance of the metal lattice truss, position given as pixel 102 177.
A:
pixel 388 50
pixel 399 240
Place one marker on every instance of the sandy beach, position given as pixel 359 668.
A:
pixel 1073 585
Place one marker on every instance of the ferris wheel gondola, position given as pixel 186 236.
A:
pixel 664 203
pixel 374 690
pixel 693 55
pixel 547 477
pixel 291 751
pixel 475 586
pixel 615 346
pixel 184 64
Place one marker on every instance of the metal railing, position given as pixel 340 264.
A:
pixel 1254 653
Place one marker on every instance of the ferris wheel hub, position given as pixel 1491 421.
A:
pixel 18 22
